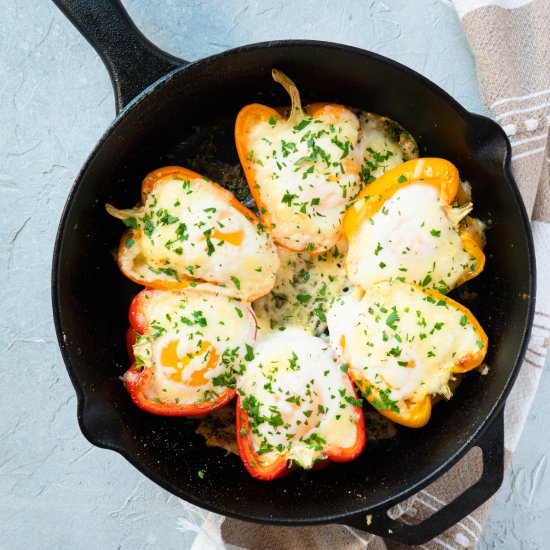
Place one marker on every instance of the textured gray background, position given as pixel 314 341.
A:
pixel 56 490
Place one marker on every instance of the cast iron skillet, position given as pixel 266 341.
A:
pixel 168 111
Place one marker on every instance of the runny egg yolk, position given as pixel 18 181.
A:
pixel 194 341
pixel 171 359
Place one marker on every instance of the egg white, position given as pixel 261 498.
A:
pixel 190 229
pixel 397 323
pixel 297 376
pixel 197 324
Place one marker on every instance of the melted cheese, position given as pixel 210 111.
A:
pixel 401 340
pixel 305 176
pixel 411 238
pixel 298 398
pixel 194 344
pixel 191 229
pixel 305 286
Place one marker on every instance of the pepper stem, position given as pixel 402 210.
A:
pixel 296 112
pixel 458 213
pixel 120 214
pixel 446 392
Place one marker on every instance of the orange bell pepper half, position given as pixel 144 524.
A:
pixel 166 276
pixel 436 172
pixel 312 171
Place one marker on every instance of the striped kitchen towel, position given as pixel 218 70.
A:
pixel 511 43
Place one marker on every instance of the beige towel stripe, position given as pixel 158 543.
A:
pixel 513 60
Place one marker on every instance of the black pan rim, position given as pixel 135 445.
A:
pixel 469 117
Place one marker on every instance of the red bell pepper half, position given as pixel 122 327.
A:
pixel 138 378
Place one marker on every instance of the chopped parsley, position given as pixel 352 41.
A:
pixel 301 125
pixel 392 319
pixel 130 222
pixel 383 402
pixel 427 280
pixel 236 282
pixel 288 198
pixel 249 353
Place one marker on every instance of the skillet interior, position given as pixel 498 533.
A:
pixel 91 297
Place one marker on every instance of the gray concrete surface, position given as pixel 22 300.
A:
pixel 56 490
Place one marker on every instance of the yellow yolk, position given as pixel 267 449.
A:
pixel 234 237
pixel 169 358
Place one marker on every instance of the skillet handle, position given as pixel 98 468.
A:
pixel 491 443
pixel 133 62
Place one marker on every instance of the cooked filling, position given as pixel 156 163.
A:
pixel 306 285
pixel 305 169
pixel 383 145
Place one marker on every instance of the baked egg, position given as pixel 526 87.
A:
pixel 403 344
pixel 191 342
pixel 406 226
pixel 296 404
pixel 189 231
pixel 301 169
